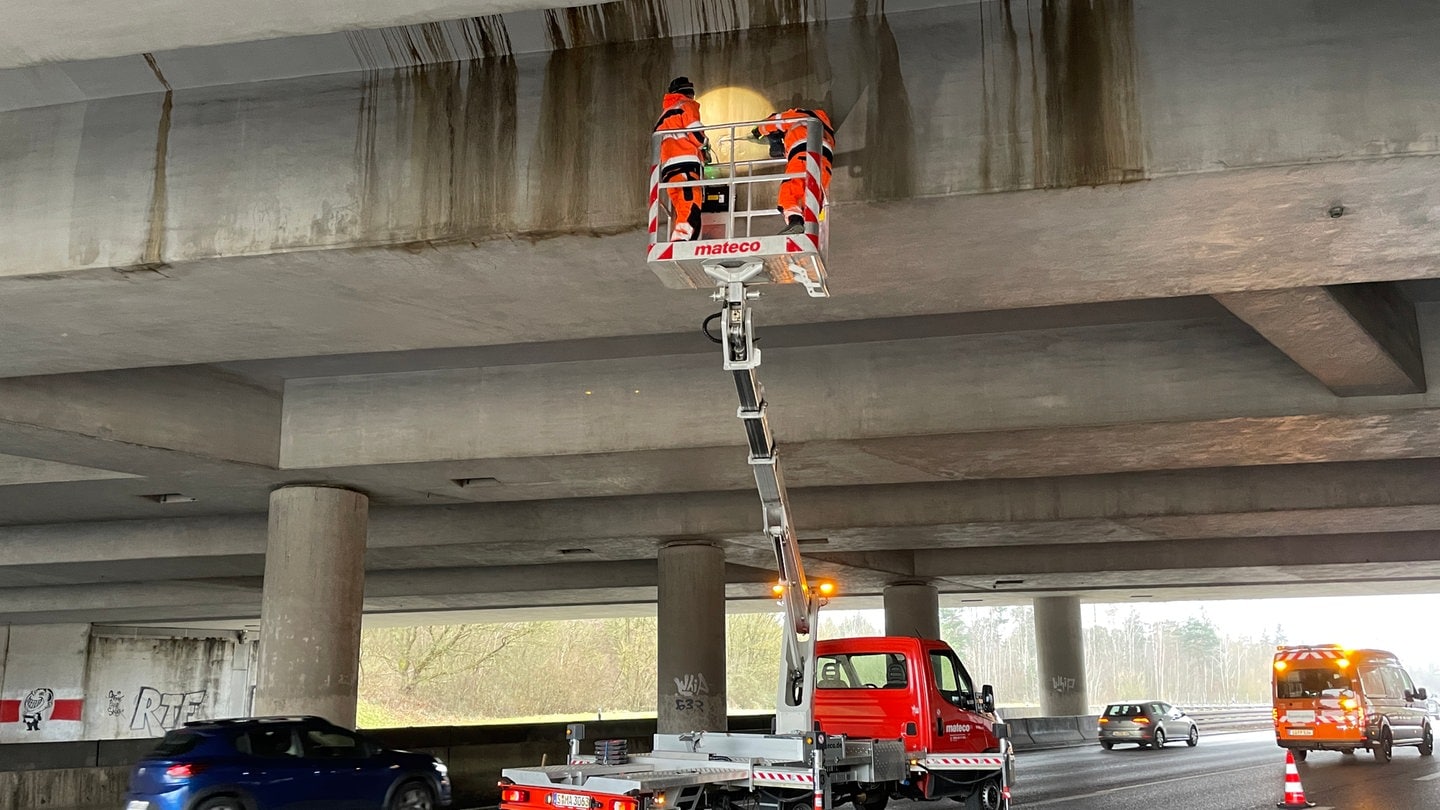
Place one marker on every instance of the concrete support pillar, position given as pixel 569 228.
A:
pixel 310 609
pixel 1060 645
pixel 691 663
pixel 912 609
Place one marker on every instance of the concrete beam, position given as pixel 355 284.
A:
pixel 1357 339
pixel 131 421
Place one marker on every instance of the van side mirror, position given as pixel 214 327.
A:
pixel 987 699
pixel 1421 694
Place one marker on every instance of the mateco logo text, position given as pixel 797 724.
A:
pixel 725 248
pixel 958 728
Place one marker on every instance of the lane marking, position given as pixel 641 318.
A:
pixel 1108 791
pixel 1431 778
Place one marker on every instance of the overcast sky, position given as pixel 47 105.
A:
pixel 1408 626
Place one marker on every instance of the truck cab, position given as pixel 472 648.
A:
pixel 916 690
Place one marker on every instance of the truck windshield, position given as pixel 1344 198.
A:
pixel 861 671
pixel 1296 684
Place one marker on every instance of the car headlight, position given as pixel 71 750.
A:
pixel 440 768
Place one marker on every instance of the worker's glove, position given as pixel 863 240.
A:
pixel 755 135
pixel 777 146
pixel 707 153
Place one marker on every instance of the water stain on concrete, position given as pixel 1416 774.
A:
pixel 153 256
pixel 436 138
pixel 886 163
pixel 1080 79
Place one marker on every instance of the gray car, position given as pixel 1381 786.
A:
pixel 1146 723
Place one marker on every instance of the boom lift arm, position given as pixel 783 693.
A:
pixel 793 704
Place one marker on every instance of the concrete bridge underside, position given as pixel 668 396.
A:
pixel 1131 299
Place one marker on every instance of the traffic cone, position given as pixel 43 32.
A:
pixel 1294 793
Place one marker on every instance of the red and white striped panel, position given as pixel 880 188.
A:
pixel 796 778
pixel 1310 655
pixel 654 200
pixel 987 761
pixel 814 189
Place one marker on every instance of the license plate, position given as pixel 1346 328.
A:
pixel 573 800
pixel 1123 733
pixel 1302 732
pixel 134 805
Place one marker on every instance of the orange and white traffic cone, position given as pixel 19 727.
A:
pixel 1294 793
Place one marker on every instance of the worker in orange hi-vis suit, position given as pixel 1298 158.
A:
pixel 787 134
pixel 682 156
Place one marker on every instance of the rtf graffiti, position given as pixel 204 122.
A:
pixel 157 712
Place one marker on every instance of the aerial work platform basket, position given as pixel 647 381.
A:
pixel 739 221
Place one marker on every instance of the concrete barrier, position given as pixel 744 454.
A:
pixel 1054 732
pixel 1020 733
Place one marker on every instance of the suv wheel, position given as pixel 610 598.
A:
pixel 1386 747
pixel 221 803
pixel 1427 742
pixel 412 796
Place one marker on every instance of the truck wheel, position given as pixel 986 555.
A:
pixel 1427 743
pixel 872 799
pixel 1300 754
pixel 1384 750
pixel 1107 745
pixel 989 796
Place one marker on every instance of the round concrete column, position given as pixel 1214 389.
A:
pixel 690 671
pixel 912 609
pixel 310 610
pixel 1061 656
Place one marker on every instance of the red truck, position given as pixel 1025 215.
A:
pixel 916 690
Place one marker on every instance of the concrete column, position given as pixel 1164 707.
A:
pixel 691 663
pixel 912 609
pixel 311 605
pixel 1060 645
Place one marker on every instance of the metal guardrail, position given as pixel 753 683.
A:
pixel 1232 718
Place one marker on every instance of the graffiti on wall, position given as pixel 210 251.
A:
pixel 1061 685
pixel 691 690
pixel 157 712
pixel 112 704
pixel 38 708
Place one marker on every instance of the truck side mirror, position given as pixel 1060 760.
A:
pixel 1418 694
pixel 987 699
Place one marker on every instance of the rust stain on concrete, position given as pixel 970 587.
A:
pixel 153 256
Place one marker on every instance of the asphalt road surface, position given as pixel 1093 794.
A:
pixel 1225 772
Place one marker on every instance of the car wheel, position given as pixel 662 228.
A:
pixel 1159 738
pixel 1194 738
pixel 1385 749
pixel 1107 745
pixel 1427 743
pixel 221 803
pixel 412 796
pixel 1300 754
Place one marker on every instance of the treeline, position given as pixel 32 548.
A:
pixel 460 674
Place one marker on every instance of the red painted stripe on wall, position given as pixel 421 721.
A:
pixel 65 709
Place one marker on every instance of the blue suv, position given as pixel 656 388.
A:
pixel 269 763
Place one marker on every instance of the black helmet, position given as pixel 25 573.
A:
pixel 681 84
